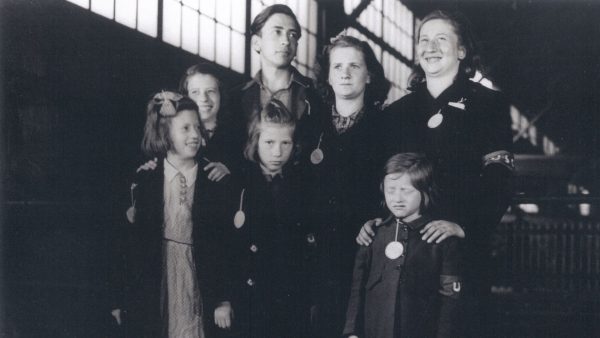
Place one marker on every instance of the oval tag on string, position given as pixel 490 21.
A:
pixel 316 156
pixel 239 219
pixel 131 214
pixel 435 120
pixel 394 250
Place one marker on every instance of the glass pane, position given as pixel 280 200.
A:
pixel 103 7
pixel 238 16
pixel 172 22
pixel 191 3
pixel 313 17
pixel 302 13
pixel 189 30
pixel 82 3
pixel 238 53
pixel 312 49
pixel 348 6
pixel 148 17
pixel 207 38
pixel 125 12
pixel 256 8
pixel 302 48
pixel 224 12
pixel 223 45
pixel 208 7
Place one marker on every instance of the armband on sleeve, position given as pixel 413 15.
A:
pixel 501 157
pixel 450 286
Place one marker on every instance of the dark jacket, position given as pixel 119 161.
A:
pixel 345 195
pixel 346 191
pixel 272 250
pixel 470 149
pixel 142 250
pixel 414 295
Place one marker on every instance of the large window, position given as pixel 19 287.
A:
pixel 213 29
pixel 388 26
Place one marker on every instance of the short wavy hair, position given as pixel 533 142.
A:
pixel 273 112
pixel 262 17
pixel 156 141
pixel 420 171
pixel 466 38
pixel 376 91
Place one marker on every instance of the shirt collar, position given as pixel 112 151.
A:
pixel 296 77
pixel 189 174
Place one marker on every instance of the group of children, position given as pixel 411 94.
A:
pixel 222 235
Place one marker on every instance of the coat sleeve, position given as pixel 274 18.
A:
pixel 497 162
pixel 450 289
pixel 356 303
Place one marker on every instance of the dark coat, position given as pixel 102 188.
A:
pixel 473 192
pixel 272 254
pixel 143 251
pixel 345 195
pixel 410 296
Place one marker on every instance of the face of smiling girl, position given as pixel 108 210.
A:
pixel 184 133
pixel 204 90
pixel 439 50
pixel 401 197
pixel 275 145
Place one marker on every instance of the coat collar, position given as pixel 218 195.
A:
pixel 414 225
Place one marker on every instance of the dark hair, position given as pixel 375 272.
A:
pixel 375 92
pixel 262 17
pixel 462 28
pixel 273 112
pixel 420 171
pixel 156 140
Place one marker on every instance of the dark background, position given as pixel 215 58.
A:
pixel 73 93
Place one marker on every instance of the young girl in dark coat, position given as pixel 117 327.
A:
pixel 272 243
pixel 404 286
pixel 172 259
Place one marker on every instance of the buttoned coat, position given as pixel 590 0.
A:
pixel 272 250
pixel 143 258
pixel 414 295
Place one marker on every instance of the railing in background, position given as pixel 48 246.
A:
pixel 559 253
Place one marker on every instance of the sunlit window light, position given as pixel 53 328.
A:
pixel 104 8
pixel 529 208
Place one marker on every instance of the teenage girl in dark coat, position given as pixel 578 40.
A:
pixel 342 159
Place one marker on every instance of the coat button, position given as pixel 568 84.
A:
pixel 253 248
pixel 250 282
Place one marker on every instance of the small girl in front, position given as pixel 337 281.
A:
pixel 272 243
pixel 402 285
pixel 172 247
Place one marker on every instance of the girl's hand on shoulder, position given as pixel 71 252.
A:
pixel 217 171
pixel 224 315
pixel 150 165
pixel 440 230
pixel 366 234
